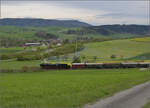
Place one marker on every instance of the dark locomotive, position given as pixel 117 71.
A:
pixel 55 66
pixel 95 65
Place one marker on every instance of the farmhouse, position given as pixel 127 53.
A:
pixel 58 44
pixel 32 44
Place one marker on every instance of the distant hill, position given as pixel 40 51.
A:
pixel 109 30
pixel 17 31
pixel 131 29
pixel 41 22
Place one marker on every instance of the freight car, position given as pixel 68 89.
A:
pixel 95 65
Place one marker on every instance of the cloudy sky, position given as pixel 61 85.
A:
pixel 93 12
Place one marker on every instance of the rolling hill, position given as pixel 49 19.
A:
pixel 32 22
pixel 132 29
pixel 17 31
pixel 108 30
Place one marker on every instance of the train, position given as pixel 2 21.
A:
pixel 94 65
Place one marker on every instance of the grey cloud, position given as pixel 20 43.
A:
pixel 115 9
pixel 123 15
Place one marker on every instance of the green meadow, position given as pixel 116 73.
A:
pixel 65 88
pixel 14 64
pixel 125 48
pixel 11 50
pixel 147 105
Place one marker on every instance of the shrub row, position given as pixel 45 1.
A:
pixel 23 69
pixel 7 56
pixel 20 56
pixel 28 57
pixel 66 49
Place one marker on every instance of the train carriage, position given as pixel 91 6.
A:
pixel 78 65
pixel 111 65
pixel 129 65
pixel 94 65
pixel 144 65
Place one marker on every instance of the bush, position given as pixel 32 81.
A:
pixel 45 55
pixel 9 56
pixel 66 49
pixel 30 69
pixel 23 69
pixel 76 60
pixel 5 57
pixel 83 58
pixel 22 57
pixel 94 58
pixel 113 56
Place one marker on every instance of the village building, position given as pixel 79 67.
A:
pixel 32 44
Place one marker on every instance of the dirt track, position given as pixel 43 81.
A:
pixel 135 97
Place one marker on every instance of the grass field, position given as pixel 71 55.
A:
pixel 147 105
pixel 65 88
pixel 13 64
pixel 145 56
pixel 121 48
pixel 11 50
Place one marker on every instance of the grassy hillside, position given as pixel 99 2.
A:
pixel 11 50
pixel 144 39
pixel 65 88
pixel 129 49
pixel 25 32
pixel 17 36
pixel 121 48
pixel 145 56
pixel 37 22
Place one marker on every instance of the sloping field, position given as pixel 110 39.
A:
pixel 121 48
pixel 65 88
pixel 11 50
pixel 144 39
pixel 145 56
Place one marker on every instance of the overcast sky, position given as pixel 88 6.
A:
pixel 92 12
